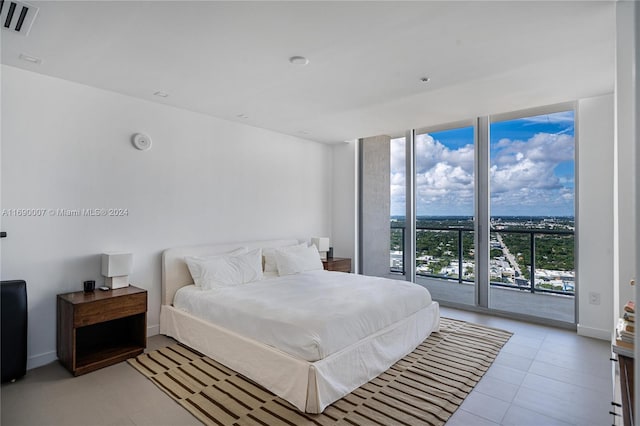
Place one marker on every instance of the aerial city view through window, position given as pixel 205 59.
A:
pixel 532 187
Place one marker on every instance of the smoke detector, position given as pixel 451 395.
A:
pixel 17 16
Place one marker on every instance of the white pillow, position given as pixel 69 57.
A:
pixel 270 264
pixel 194 263
pixel 228 270
pixel 295 261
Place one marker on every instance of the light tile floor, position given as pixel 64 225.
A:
pixel 543 376
pixel 116 395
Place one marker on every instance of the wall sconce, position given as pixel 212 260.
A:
pixel 322 244
pixel 116 267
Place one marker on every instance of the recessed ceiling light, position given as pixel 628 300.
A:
pixel 298 60
pixel 31 59
pixel 243 116
pixel 161 94
pixel 425 79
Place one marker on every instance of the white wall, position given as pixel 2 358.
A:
pixel 205 180
pixel 595 175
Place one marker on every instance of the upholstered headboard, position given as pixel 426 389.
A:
pixel 175 273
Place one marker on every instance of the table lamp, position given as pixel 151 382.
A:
pixel 116 267
pixel 322 244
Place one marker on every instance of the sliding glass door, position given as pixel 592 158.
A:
pixel 482 212
pixel 532 172
pixel 444 206
pixel 398 179
pixel 443 228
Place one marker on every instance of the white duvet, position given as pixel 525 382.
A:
pixel 309 315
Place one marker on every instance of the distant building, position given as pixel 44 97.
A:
pixel 396 260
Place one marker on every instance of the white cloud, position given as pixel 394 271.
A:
pixel 558 118
pixel 522 173
pixel 531 164
pixel 523 179
pixel 444 178
pixel 398 182
pixel 398 156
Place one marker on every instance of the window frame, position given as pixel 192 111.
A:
pixel 482 201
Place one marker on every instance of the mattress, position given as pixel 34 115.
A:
pixel 310 315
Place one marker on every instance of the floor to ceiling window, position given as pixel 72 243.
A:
pixel 444 206
pixel 398 204
pixel 532 186
pixel 510 183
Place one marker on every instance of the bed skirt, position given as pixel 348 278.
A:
pixel 309 386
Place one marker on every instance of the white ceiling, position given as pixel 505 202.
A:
pixel 366 58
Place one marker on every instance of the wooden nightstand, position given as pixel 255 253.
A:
pixel 101 328
pixel 340 264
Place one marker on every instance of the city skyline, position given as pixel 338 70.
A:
pixel 531 169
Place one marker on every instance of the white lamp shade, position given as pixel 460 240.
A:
pixel 321 243
pixel 117 264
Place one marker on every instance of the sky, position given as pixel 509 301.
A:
pixel 531 169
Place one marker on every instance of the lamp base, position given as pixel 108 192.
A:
pixel 117 282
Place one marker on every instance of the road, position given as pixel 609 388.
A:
pixel 509 256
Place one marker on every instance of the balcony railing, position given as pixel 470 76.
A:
pixel 520 279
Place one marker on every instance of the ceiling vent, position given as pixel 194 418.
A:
pixel 17 16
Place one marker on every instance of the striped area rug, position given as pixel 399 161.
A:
pixel 423 388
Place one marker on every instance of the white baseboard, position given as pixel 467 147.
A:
pixel 152 330
pixel 596 333
pixel 40 360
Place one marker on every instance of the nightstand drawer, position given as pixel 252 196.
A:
pixel 337 264
pixel 109 309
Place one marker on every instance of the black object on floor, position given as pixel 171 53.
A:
pixel 13 331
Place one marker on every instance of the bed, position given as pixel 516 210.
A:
pixel 308 374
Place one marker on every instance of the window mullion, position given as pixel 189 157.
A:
pixel 482 212
pixel 410 214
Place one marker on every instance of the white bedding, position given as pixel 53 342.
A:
pixel 309 315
